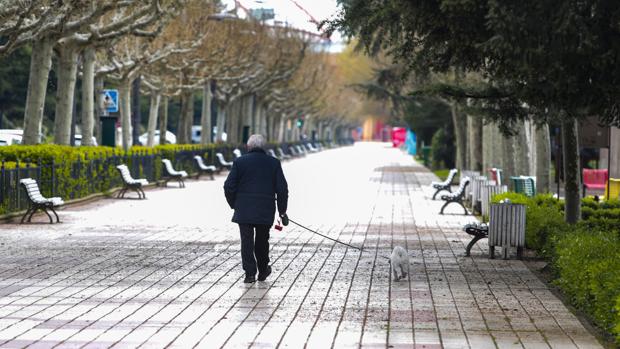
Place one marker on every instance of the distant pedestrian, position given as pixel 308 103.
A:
pixel 254 185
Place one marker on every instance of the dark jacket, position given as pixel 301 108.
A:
pixel 254 183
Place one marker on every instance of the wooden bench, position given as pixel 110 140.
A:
pixel 594 179
pixel 170 173
pixel 282 154
pixel 478 231
pixel 38 201
pixel 457 196
pixel 223 163
pixel 445 185
pixel 202 168
pixel 130 183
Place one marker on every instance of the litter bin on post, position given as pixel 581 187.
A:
pixel 426 155
pixel 507 228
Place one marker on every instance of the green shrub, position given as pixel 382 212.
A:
pixel 76 167
pixel 588 266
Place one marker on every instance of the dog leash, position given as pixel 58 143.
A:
pixel 332 239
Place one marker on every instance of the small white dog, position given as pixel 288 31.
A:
pixel 399 260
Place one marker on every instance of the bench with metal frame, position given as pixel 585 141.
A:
pixel 311 148
pixel 445 185
pixel 202 168
pixel 478 231
pixel 457 196
pixel 171 174
pixel 130 183
pixel 272 153
pixel 222 162
pixel 237 153
pixel 282 154
pixel 38 201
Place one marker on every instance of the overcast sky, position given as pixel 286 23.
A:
pixel 286 11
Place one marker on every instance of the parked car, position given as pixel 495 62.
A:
pixel 170 138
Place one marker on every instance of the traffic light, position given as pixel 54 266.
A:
pixel 300 122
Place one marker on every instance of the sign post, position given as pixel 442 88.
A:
pixel 108 121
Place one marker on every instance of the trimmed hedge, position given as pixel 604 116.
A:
pixel 585 257
pixel 75 172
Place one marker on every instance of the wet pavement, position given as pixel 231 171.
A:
pixel 165 272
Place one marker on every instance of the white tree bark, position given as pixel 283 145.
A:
pixel 88 96
pixel 221 119
pixel 67 76
pixel 40 65
pixel 153 114
pixel 205 120
pixel 124 92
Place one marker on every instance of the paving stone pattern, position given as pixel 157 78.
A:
pixel 165 272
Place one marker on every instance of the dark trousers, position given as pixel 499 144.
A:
pixel 254 251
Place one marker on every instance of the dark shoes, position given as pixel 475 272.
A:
pixel 263 276
pixel 249 279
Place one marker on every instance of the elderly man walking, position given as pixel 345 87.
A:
pixel 254 185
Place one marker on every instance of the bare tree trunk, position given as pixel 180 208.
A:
pixel 124 92
pixel 136 113
pixel 507 158
pixel 40 65
pixel 475 143
pixel 163 121
pixel 67 76
pixel 282 134
pixel 460 133
pixel 88 96
pixel 153 113
pixel 572 176
pixel 185 118
pixel 543 158
pixel 205 120
pixel 189 119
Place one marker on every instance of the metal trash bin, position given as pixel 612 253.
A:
pixel 507 228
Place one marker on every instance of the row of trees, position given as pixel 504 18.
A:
pixel 513 62
pixel 256 77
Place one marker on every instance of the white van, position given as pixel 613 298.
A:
pixel 11 137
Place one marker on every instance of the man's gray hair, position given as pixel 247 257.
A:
pixel 256 141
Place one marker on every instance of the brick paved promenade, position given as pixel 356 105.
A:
pixel 165 272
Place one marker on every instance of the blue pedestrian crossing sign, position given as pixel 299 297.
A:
pixel 110 101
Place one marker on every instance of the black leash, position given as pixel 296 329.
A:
pixel 332 239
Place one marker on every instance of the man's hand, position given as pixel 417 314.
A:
pixel 284 218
